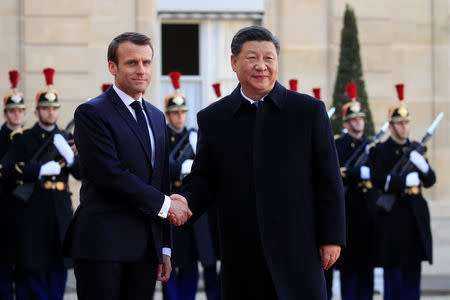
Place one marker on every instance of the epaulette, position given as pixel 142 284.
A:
pixel 17 131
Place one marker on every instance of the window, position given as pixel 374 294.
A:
pixel 180 48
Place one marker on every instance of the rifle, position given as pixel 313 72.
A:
pixel 360 156
pixel 45 153
pixel 404 166
pixel 186 152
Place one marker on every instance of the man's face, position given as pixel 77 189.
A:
pixel 355 125
pixel 47 115
pixel 177 119
pixel 134 69
pixel 14 117
pixel 400 130
pixel 256 67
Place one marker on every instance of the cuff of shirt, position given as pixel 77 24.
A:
pixel 165 208
pixel 167 251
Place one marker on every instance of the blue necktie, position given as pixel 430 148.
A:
pixel 136 105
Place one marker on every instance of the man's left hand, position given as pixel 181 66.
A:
pixel 329 254
pixel 164 269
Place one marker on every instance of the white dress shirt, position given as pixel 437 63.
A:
pixel 128 100
pixel 250 100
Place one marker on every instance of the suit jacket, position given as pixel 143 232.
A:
pixel 274 174
pixel 121 194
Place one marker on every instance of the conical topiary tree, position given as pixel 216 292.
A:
pixel 350 70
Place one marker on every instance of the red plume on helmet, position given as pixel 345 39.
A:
pixel 175 77
pixel 49 73
pixel 293 84
pixel 351 90
pixel 105 86
pixel 400 91
pixel 316 92
pixel 216 87
pixel 14 77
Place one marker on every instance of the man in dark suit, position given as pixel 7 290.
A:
pixel 267 157
pixel 120 239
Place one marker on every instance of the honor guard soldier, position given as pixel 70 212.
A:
pixel 42 159
pixel 189 246
pixel 13 112
pixel 355 265
pixel 402 228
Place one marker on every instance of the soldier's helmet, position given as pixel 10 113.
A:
pixel 48 96
pixel 293 84
pixel 353 108
pixel 399 112
pixel 316 92
pixel 15 98
pixel 176 101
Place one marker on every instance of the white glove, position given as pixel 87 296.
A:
pixel 412 179
pixel 419 161
pixel 186 166
pixel 193 141
pixel 50 168
pixel 64 149
pixel 365 173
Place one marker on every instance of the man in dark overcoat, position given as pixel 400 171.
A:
pixel 402 235
pixel 267 157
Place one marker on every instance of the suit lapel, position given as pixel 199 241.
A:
pixel 129 120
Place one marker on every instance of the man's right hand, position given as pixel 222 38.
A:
pixel 179 211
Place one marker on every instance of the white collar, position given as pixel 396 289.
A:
pixel 126 99
pixel 251 101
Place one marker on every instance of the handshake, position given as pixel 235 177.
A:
pixel 179 211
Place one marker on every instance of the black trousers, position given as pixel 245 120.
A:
pixel 103 280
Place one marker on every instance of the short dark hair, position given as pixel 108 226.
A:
pixel 253 33
pixel 134 37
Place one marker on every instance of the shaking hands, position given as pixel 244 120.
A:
pixel 179 211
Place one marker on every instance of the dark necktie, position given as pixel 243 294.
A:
pixel 141 122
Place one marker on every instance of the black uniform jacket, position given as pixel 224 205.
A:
pixel 7 219
pixel 42 221
pixel 403 236
pixel 358 253
pixel 121 194
pixel 274 174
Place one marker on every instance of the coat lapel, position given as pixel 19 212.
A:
pixel 129 120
